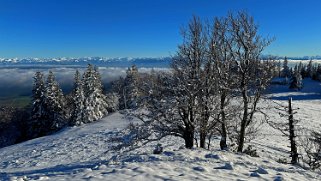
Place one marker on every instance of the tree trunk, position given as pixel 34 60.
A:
pixel 294 151
pixel 202 140
pixel 189 138
pixel 244 120
pixel 223 143
pixel 124 96
pixel 242 136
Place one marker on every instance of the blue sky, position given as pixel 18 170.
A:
pixel 144 28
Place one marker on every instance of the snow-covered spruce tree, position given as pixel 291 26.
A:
pixel 279 65
pixel 152 87
pixel 296 79
pixel 302 70
pixel 112 102
pixel 118 88
pixel 318 73
pixel 55 102
pixel 78 100
pixel 38 118
pixel 286 70
pixel 131 89
pixel 95 104
pixel 253 75
pixel 309 69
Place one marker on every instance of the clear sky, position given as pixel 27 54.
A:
pixel 144 28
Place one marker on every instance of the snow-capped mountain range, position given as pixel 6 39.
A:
pixel 148 62
pixel 118 62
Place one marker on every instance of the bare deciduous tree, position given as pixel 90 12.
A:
pixel 221 57
pixel 253 74
pixel 213 65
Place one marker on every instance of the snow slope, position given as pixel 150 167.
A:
pixel 83 153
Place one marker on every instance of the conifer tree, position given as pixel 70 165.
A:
pixel 131 87
pixel 286 70
pixel 77 114
pixel 95 104
pixel 38 113
pixel 296 79
pixel 309 69
pixel 55 103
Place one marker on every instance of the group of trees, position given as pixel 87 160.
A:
pixel 51 110
pixel 295 75
pixel 12 125
pixel 216 81
pixel 128 89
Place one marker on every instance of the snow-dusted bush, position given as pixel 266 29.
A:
pixel 312 148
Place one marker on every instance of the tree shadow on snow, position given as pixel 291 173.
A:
pixel 311 91
pixel 313 96
pixel 51 171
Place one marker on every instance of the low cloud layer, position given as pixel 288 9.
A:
pixel 18 81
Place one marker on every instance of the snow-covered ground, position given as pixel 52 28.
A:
pixel 84 153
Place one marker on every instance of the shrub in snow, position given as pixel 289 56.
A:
pixel 250 151
pixel 312 148
pixel 158 149
pixel 282 160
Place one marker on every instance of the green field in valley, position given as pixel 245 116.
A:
pixel 16 101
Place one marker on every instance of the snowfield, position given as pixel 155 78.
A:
pixel 84 153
